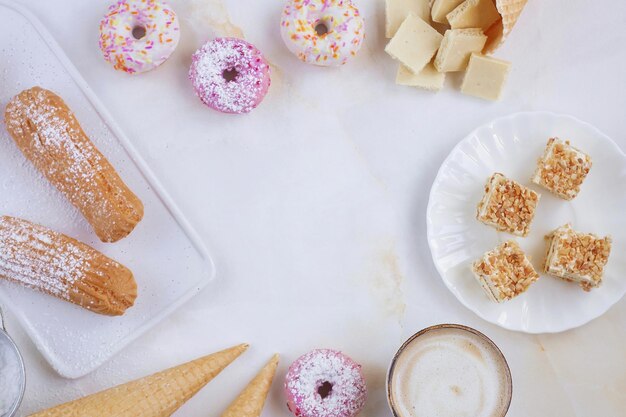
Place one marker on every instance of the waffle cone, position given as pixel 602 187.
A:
pixel 158 395
pixel 252 399
pixel 510 10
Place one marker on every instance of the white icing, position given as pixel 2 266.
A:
pixel 345 30
pixel 120 46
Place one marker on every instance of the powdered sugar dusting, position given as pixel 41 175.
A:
pixel 52 137
pixel 245 91
pixel 307 374
pixel 49 135
pixel 29 257
pixel 39 258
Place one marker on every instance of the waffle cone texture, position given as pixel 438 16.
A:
pixel 158 395
pixel 510 10
pixel 251 401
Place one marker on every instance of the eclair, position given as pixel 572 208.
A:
pixel 58 265
pixel 49 135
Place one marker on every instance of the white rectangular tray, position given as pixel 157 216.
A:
pixel 169 261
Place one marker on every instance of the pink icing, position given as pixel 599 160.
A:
pixel 325 383
pixel 230 75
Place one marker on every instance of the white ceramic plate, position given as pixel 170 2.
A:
pixel 512 145
pixel 168 260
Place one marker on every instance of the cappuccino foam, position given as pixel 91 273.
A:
pixel 450 372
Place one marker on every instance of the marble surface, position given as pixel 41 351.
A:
pixel 314 204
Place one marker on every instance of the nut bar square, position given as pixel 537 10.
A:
pixel 562 169
pixel 507 205
pixel 577 257
pixel 505 272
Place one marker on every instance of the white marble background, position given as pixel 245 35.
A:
pixel 314 204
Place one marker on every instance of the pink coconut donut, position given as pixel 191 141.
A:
pixel 230 75
pixel 325 383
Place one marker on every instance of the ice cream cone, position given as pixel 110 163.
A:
pixel 158 395
pixel 252 399
pixel 510 11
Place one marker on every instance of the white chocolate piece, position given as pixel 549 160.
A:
pixel 397 10
pixel 428 78
pixel 441 8
pixel 474 14
pixel 414 44
pixel 485 77
pixel 456 48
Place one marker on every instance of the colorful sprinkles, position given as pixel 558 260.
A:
pixel 155 20
pixel 341 39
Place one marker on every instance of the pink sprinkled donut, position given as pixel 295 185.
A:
pixel 325 383
pixel 230 75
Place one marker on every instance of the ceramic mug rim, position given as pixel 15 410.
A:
pixel 16 405
pixel 507 369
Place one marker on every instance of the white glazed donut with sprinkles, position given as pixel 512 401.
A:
pixel 138 35
pixel 322 32
pixel 325 383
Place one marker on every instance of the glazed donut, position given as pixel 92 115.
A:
pixel 325 383
pixel 138 35
pixel 322 32
pixel 230 75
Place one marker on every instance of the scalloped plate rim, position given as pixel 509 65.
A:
pixel 438 179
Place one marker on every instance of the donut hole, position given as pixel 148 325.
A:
pixel 139 32
pixel 325 389
pixel 321 28
pixel 230 74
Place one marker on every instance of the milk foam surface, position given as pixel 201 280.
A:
pixel 450 373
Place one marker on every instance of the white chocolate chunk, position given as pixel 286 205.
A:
pixel 456 48
pixel 397 10
pixel 485 77
pixel 441 8
pixel 474 14
pixel 428 78
pixel 414 44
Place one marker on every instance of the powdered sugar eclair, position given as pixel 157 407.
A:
pixel 49 135
pixel 50 262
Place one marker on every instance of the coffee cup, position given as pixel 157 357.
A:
pixel 449 370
